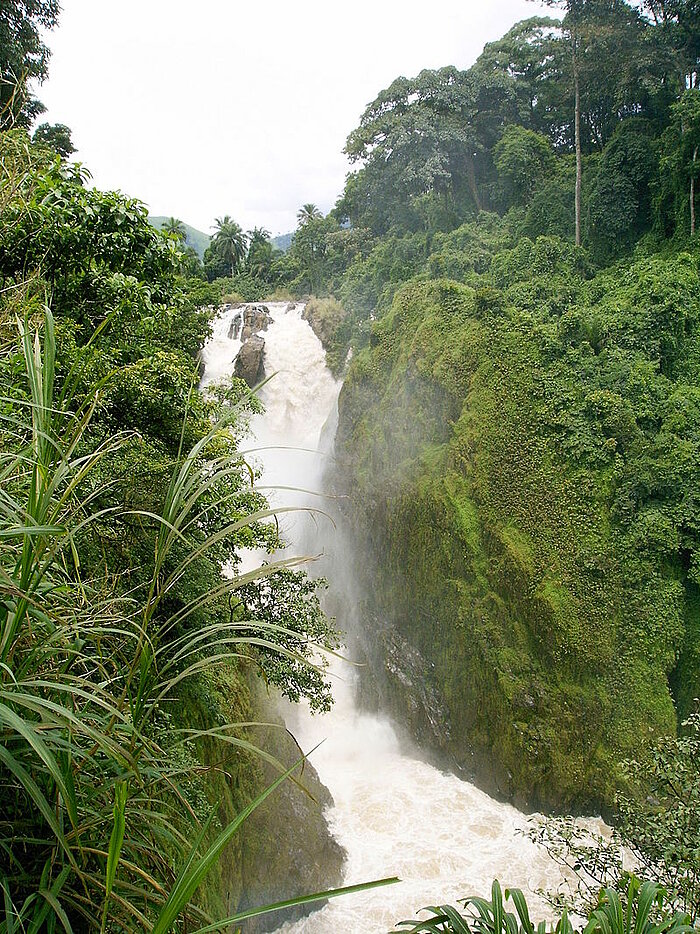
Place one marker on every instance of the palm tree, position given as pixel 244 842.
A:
pixel 258 235
pixel 229 241
pixel 175 228
pixel 260 251
pixel 308 212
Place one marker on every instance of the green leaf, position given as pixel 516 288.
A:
pixel 115 843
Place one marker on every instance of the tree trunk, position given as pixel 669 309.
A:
pixel 577 140
pixel 692 193
pixel 471 179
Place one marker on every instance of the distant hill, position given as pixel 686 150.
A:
pixel 283 242
pixel 195 238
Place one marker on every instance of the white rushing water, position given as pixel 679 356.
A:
pixel 394 814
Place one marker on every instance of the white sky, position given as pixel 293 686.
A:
pixel 242 107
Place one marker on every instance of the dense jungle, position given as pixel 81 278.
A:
pixel 509 289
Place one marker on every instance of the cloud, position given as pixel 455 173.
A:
pixel 220 107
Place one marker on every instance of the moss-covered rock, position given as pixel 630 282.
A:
pixel 329 322
pixel 284 849
pixel 515 488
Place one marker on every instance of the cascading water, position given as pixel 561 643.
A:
pixel 393 813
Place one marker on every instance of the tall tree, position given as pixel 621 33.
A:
pixel 603 73
pixel 260 252
pixel 679 21
pixel 686 121
pixel 429 136
pixel 308 212
pixel 23 57
pixel 571 31
pixel 229 242
pixel 175 228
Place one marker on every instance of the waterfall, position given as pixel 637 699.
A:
pixel 393 813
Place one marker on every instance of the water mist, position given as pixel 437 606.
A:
pixel 393 813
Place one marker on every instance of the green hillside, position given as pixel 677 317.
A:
pixel 195 238
pixel 283 242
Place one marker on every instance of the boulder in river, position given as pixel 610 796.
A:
pixel 256 318
pixel 249 362
pixel 234 328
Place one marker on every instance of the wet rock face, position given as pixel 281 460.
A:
pixel 256 318
pixel 410 675
pixel 249 364
pixel 288 848
pixel 397 679
pixel 402 685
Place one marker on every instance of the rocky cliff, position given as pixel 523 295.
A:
pixel 512 490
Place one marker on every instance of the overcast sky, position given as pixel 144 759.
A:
pixel 236 107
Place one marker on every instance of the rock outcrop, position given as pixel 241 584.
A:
pixel 327 319
pixel 288 849
pixel 256 318
pixel 249 364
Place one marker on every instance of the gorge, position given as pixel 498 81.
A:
pixel 392 812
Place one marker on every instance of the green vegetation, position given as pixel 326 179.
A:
pixel 194 238
pixel 126 655
pixel 655 825
pixel 643 909
pixel 514 263
pixel 518 426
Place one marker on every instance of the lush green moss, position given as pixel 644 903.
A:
pixel 524 470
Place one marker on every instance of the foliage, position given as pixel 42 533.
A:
pixel 89 675
pixel 55 136
pixel 287 605
pixel 644 911
pixel 308 212
pixel 23 57
pixel 523 160
pixel 524 452
pixel 680 165
pixel 229 243
pixel 123 495
pixel 655 829
pixel 332 326
pixel 175 228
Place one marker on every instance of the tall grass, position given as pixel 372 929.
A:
pixel 96 822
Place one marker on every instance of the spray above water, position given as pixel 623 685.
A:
pixel 393 813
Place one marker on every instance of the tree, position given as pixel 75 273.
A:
pixel 23 57
pixel 55 136
pixel 308 212
pixel 309 248
pixel 679 23
pixel 523 159
pixel 529 54
pixel 686 149
pixel 431 135
pixel 603 66
pixel 261 253
pixel 619 200
pixel 571 26
pixel 175 228
pixel 229 242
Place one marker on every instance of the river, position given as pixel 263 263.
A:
pixel 394 814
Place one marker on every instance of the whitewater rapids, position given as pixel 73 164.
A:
pixel 394 814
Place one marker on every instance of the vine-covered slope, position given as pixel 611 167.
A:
pixel 522 461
